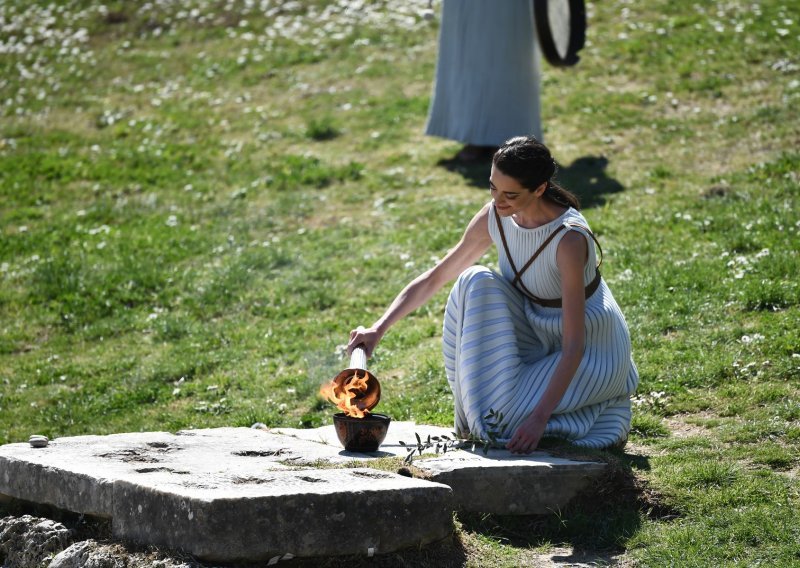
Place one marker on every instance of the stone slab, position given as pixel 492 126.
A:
pixel 503 483
pixel 497 482
pixel 229 494
pixel 303 513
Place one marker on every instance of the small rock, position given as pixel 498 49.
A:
pixel 92 554
pixel 38 441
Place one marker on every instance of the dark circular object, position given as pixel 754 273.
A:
pixel 361 434
pixel 561 29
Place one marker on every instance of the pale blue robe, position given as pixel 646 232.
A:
pixel 487 73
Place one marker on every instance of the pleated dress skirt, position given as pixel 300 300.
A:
pixel 487 73
pixel 500 352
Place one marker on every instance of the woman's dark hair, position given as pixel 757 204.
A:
pixel 529 162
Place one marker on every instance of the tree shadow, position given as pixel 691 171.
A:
pixel 586 177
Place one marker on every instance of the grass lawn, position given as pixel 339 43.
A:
pixel 199 199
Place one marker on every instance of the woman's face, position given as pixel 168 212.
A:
pixel 509 196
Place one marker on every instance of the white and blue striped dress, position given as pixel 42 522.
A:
pixel 501 349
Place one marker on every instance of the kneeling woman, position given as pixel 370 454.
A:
pixel 544 342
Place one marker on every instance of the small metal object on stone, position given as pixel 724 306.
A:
pixel 38 441
pixel 561 29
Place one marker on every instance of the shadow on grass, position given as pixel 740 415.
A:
pixel 595 525
pixel 586 177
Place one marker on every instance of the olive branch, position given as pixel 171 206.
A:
pixel 441 444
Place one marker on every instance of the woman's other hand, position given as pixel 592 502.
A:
pixel 527 435
pixel 366 338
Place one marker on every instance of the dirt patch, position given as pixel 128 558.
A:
pixel 792 474
pixel 680 427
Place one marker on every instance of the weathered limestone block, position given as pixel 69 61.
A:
pixel 318 512
pixel 509 484
pixel 229 494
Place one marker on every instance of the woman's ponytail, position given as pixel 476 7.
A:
pixel 561 196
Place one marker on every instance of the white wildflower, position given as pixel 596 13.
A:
pixel 755 338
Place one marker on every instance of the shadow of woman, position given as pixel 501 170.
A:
pixel 593 526
pixel 586 177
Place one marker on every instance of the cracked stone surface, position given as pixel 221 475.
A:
pixel 245 494
pixel 229 494
pixel 497 482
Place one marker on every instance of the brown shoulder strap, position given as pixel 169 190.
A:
pixel 591 234
pixel 535 255
pixel 503 238
pixel 517 281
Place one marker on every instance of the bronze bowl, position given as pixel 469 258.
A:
pixel 361 434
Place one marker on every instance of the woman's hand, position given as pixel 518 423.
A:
pixel 527 435
pixel 570 256
pixel 366 338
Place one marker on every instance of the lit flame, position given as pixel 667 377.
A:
pixel 354 387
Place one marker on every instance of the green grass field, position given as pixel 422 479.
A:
pixel 200 198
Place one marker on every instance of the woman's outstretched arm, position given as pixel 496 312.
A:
pixel 473 244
